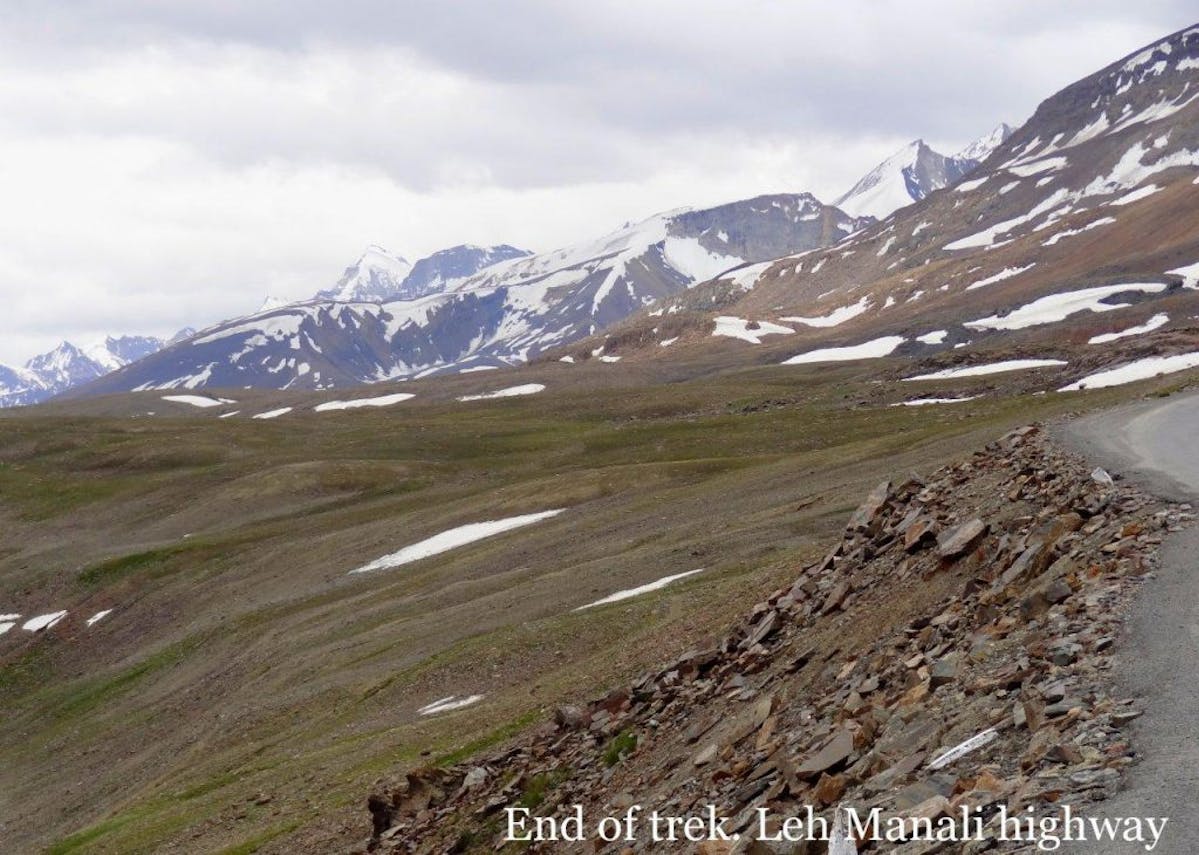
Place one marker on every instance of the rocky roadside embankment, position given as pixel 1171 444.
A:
pixel 974 610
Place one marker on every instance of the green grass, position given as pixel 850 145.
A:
pixel 490 740
pixel 151 562
pixel 39 494
pixel 620 746
pixel 31 669
pixel 253 844
pixel 315 675
pixel 536 789
pixel 80 698
pixel 81 841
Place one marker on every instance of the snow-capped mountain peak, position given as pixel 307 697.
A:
pixel 981 148
pixel 379 276
pixel 912 173
pixel 67 365
pixel 904 177
pixel 432 274
pixel 374 277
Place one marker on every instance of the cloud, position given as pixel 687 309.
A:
pixel 170 163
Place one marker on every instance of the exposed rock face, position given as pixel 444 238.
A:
pixel 916 682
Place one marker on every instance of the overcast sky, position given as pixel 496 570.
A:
pixel 165 164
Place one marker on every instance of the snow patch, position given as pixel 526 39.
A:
pixel 1057 307
pixel 1065 233
pixel 972 184
pixel 1141 369
pixel 747 277
pixel 739 328
pixel 1038 167
pixel 454 538
pixel 1136 195
pixel 1006 273
pixel 924 402
pixel 988 368
pixel 380 401
pixel 638 591
pixel 201 401
pixel 691 258
pixel 833 318
pixel 1156 322
pixel 510 392
pixel 1189 274
pixel 873 349
pixel 453 702
pixel 98 616
pixel 273 414
pixel 37 624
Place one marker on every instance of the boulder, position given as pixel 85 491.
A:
pixel 957 541
pixel 869 510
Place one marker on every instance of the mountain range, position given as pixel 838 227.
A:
pixel 882 246
pixel 505 313
pixel 1074 242
pixel 68 366
pixel 376 276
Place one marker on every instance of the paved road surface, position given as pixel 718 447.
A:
pixel 1156 444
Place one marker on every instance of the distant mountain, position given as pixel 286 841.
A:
pixel 114 353
pixel 912 173
pixel 66 366
pixel 505 313
pixel 376 276
pixel 431 275
pixel 981 148
pixel 20 387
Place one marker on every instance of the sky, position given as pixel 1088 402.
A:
pixel 171 164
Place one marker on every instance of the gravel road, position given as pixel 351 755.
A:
pixel 1156 444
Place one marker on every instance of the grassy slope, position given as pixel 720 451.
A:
pixel 247 691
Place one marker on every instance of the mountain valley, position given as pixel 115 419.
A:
pixel 760 505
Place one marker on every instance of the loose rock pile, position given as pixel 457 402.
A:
pixel 978 606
